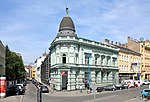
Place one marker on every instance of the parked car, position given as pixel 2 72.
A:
pixel 145 93
pixel 138 83
pixel 110 87
pixel 125 85
pixel 146 82
pixel 14 89
pixel 21 87
pixel 130 83
pixel 100 89
pixel 120 86
pixel 44 89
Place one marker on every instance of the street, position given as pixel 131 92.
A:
pixel 128 95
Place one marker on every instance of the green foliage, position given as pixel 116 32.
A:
pixel 14 66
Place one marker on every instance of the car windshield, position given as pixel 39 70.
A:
pixel 147 90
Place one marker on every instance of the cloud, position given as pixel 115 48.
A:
pixel 30 26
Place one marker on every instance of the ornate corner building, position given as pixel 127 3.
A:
pixel 77 61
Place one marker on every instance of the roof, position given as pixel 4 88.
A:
pixel 66 24
pixel 123 49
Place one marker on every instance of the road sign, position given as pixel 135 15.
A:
pixel 62 73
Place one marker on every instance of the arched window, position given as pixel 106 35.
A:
pixel 64 58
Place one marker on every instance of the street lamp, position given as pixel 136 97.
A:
pixel 89 72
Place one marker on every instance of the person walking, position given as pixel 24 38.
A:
pixel 80 88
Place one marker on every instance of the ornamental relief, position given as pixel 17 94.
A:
pixel 64 45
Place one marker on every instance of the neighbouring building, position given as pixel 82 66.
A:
pixel 2 71
pixel 28 70
pixel 129 62
pixel 77 61
pixel 37 66
pixel 2 59
pixel 45 68
pixel 33 72
pixel 142 47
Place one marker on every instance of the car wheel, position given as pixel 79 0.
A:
pixel 113 89
pixel 120 88
pixel 17 93
pixel 143 96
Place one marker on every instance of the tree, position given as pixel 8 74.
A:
pixel 14 66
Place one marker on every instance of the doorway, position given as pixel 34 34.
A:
pixel 64 80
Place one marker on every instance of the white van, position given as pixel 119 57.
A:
pixel 130 83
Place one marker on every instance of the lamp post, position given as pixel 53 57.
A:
pixel 89 71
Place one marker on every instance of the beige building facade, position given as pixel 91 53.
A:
pixel 129 62
pixel 142 47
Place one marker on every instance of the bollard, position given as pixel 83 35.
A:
pixel 39 94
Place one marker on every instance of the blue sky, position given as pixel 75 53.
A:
pixel 29 26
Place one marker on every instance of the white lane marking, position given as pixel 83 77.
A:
pixel 100 99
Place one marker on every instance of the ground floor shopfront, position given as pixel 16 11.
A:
pixel 72 77
pixel 145 76
pixel 127 76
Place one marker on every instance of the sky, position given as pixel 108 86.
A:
pixel 29 26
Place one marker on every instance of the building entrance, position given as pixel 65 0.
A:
pixel 64 75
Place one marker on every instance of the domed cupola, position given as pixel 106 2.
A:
pixel 66 26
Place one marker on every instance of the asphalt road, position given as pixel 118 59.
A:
pixel 110 96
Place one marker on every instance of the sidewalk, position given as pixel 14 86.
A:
pixel 75 93
pixel 17 98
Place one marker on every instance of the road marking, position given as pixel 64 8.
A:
pixel 102 98
pixel 21 100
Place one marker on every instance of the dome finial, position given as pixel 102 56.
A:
pixel 67 11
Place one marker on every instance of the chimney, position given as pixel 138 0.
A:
pixel 116 43
pixel 128 37
pixel 119 44
pixel 111 42
pixel 106 40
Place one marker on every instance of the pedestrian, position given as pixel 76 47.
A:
pixel 80 88
pixel 50 82
pixel 88 88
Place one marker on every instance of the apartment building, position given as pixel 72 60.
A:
pixel 142 47
pixel 129 62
